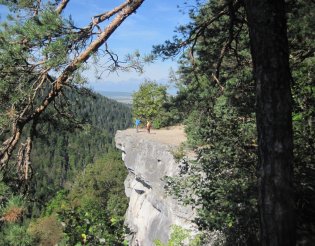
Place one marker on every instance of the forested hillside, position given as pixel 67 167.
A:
pixel 56 135
pixel 77 178
pixel 66 152
pixel 245 94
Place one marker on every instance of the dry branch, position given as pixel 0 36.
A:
pixel 62 6
pixel 122 12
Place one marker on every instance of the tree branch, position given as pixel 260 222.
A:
pixel 62 6
pixel 126 9
pixel 37 7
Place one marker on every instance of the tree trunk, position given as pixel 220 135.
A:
pixel 269 48
pixel 122 12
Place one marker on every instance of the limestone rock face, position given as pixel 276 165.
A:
pixel 151 213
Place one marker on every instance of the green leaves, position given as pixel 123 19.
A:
pixel 12 210
pixel 217 97
pixel 96 204
pixel 180 236
pixel 19 4
pixel 220 119
pixel 46 230
pixel 16 235
pixel 148 103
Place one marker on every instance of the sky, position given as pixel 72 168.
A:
pixel 153 23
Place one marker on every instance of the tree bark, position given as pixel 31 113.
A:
pixel 123 11
pixel 270 54
pixel 62 6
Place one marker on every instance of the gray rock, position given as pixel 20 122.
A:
pixel 151 212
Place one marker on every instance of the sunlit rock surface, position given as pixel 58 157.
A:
pixel 151 213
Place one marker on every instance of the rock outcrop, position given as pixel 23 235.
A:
pixel 151 212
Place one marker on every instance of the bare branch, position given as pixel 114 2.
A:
pixel 97 19
pixel 24 159
pixel 84 56
pixel 100 18
pixel 62 6
pixel 113 57
pixel 196 33
pixel 192 39
pixel 42 78
pixel 222 54
pixel 218 82
pixel 126 9
pixel 9 145
pixel 37 7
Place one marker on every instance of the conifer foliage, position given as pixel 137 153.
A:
pixel 51 127
pixel 42 53
pixel 218 96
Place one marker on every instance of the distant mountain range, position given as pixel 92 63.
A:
pixel 123 97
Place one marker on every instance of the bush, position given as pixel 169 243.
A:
pixel 47 231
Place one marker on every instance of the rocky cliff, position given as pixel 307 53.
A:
pixel 151 212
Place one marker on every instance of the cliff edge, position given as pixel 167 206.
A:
pixel 148 158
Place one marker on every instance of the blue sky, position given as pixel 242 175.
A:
pixel 153 23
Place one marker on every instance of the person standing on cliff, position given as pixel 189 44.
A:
pixel 149 125
pixel 138 124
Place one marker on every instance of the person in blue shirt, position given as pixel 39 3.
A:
pixel 137 124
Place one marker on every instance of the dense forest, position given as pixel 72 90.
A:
pixel 245 94
pixel 60 177
pixel 77 178
pixel 65 153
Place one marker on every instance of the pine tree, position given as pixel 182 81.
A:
pixel 217 87
pixel 36 41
